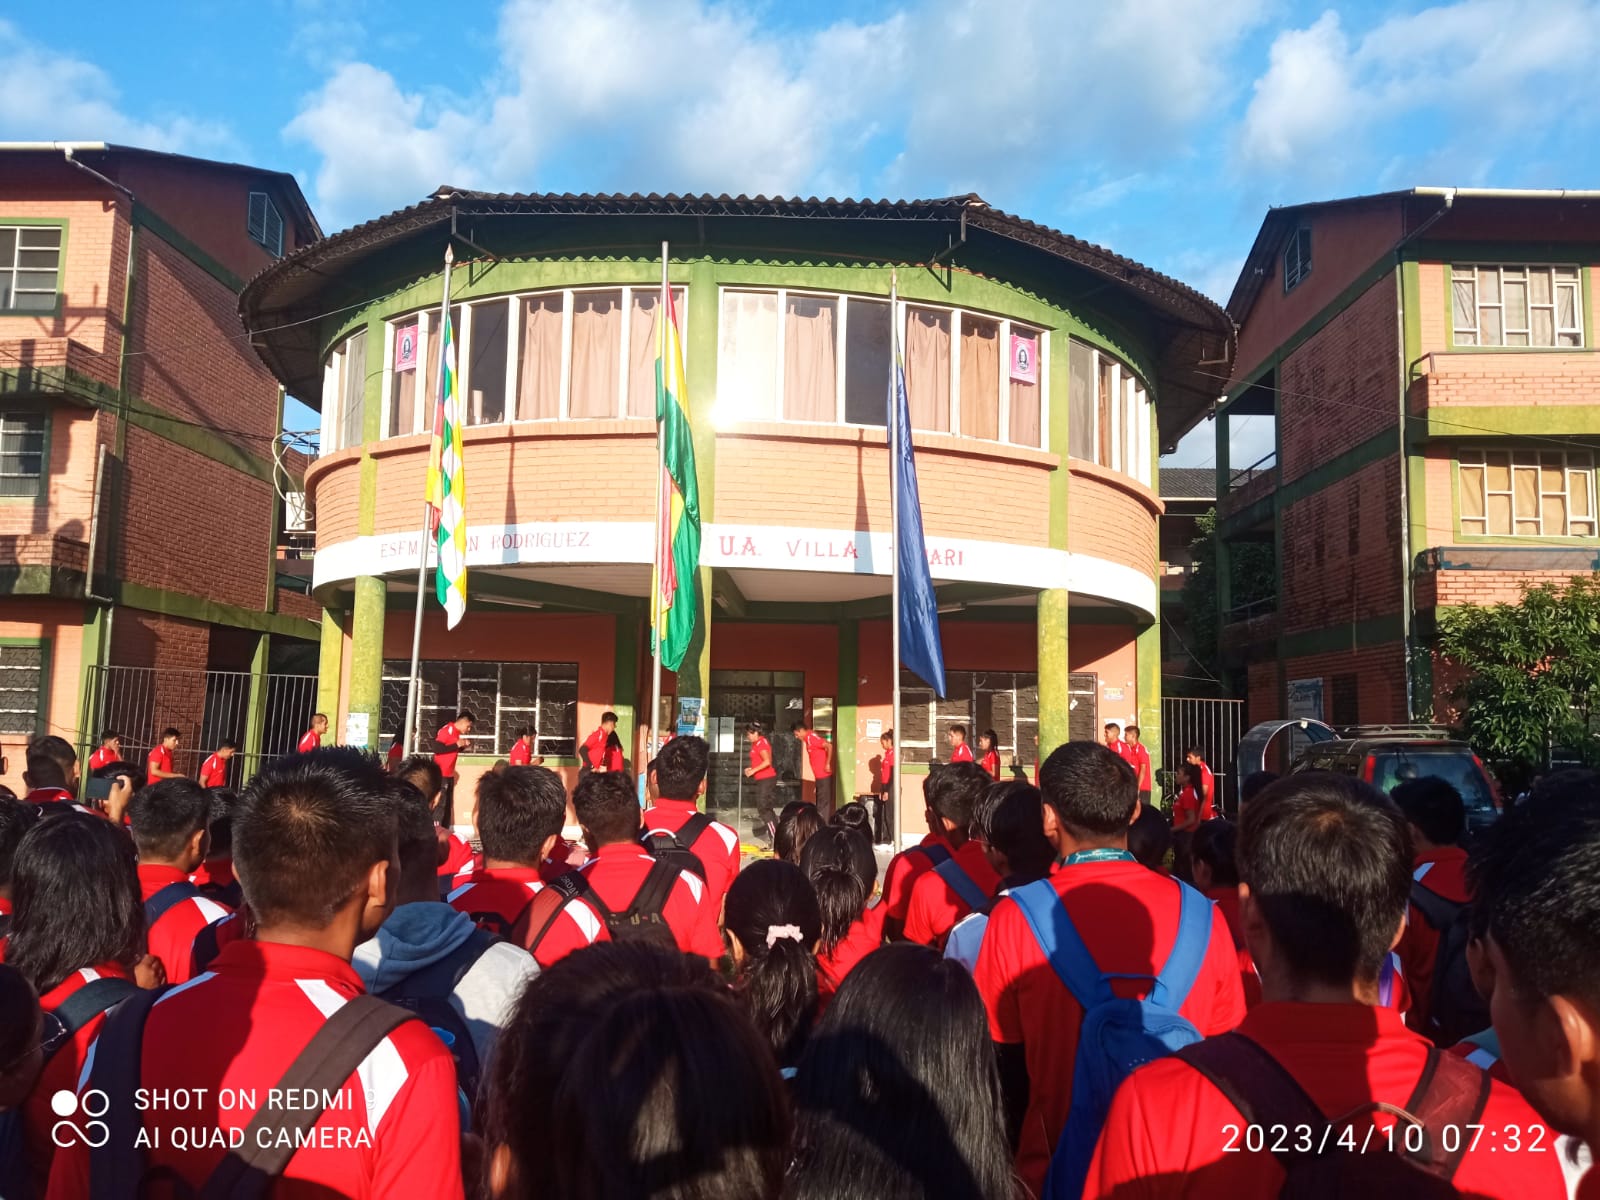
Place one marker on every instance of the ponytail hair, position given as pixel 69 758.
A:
pixel 842 869
pixel 772 911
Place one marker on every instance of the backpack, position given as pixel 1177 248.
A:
pixel 427 991
pixel 962 884
pixel 535 920
pixel 167 899
pixel 675 848
pixel 643 919
pixel 117 1169
pixel 60 1024
pixel 1117 1034
pixel 1455 1010
pixel 230 894
pixel 1451 1093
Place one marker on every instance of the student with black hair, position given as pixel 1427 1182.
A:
pixel 1150 840
pixel 1252 785
pixel 51 776
pixel 853 816
pixel 110 750
pixel 773 925
pixel 819 754
pixel 956 735
pixel 169 828
pixel 158 763
pixel 602 750
pixel 764 776
pixel 77 937
pixel 1433 950
pixel 989 754
pixel 214 771
pixel 315 845
pixel 1324 864
pixel 965 882
pixel 447 745
pixel 897 1097
pixel 1535 877
pixel 1137 756
pixel 1192 806
pixel 674 823
pixel 433 959
pixel 21 1060
pixel 843 872
pixel 520 811
pixel 16 818
pixel 456 856
pixel 214 876
pixel 522 750
pixel 1009 824
pixel 636 893
pixel 1213 856
pixel 798 823
pixel 1106 915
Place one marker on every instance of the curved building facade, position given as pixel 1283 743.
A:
pixel 1044 375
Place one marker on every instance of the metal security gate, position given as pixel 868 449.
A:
pixel 204 707
pixel 1213 727
pixel 776 699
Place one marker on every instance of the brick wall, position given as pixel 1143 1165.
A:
pixel 1111 518
pixel 61 624
pixel 210 205
pixel 65 508
pixel 1447 589
pixel 1380 673
pixel 1341 550
pixel 1467 378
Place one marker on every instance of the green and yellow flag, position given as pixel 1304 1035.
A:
pixel 447 484
pixel 677 554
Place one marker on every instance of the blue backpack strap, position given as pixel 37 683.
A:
pixel 1195 921
pixel 936 853
pixel 167 898
pixel 1068 956
pixel 962 884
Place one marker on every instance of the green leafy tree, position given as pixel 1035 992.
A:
pixel 1253 578
pixel 1532 672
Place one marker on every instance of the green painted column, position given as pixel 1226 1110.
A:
pixel 366 654
pixel 330 664
pixel 1147 659
pixel 255 719
pixel 846 735
pixel 92 651
pixel 700 366
pixel 625 678
pixel 1054 675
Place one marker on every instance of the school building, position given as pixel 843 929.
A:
pixel 139 488
pixel 1427 358
pixel 1045 375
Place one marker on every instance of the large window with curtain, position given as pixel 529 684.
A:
pixel 822 358
pixel 1495 305
pixel 1109 412
pixel 344 394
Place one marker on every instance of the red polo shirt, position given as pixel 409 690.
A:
pixel 717 848
pixel 1227 901
pixel 214 772
pixel 935 908
pixel 1208 785
pixel 599 754
pixel 1166 1134
pixel 309 740
pixel 1444 873
pixel 1189 802
pixel 618 871
pixel 171 938
pixel 863 937
pixel 962 753
pixel 394 1131
pixel 521 753
pixel 218 871
pixel 159 759
pixel 449 735
pixel 103 757
pixel 761 751
pixel 904 870
pixel 61 1071
pixel 1139 759
pixel 506 893
pixel 458 853
pixel 1127 916
pixel 820 755
pixel 991 764
pixel 886 768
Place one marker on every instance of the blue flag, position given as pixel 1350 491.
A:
pixel 920 647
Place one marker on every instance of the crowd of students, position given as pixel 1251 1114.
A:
pixel 1055 994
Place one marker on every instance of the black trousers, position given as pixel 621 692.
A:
pixel 825 797
pixel 766 814
pixel 446 812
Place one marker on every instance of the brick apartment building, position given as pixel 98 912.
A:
pixel 138 510
pixel 1429 359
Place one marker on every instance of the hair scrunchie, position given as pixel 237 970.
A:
pixel 774 932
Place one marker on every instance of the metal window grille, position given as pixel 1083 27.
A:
pixel 30 266
pixel 503 697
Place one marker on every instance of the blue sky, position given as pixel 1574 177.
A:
pixel 1160 128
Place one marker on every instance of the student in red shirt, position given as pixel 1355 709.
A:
pixel 1323 860
pixel 51 777
pixel 1191 807
pixel 214 771
pixel 965 882
pixel 764 775
pixel 1437 819
pixel 602 749
pixel 77 924
pixel 446 747
pixel 820 755
pixel 1010 824
pixel 1536 914
pixel 678 776
pixel 455 852
pixel 1138 757
pixel 989 759
pixel 1128 918
pixel 883 789
pixel 1216 874
pixel 520 811
pixel 614 879
pixel 1207 785
pixel 214 877
pixel 843 872
pixel 315 841
pixel 907 867
pixel 311 739
pixel 110 751
pixel 959 750
pixel 1114 742
pixel 158 763
pixel 522 754
pixel 169 828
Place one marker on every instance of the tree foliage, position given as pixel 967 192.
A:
pixel 1253 577
pixel 1533 672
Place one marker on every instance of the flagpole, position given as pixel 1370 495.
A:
pixel 894 549
pixel 655 553
pixel 413 688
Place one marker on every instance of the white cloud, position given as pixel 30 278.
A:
pixel 46 95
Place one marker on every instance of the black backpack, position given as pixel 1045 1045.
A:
pixel 1455 1009
pixel 167 899
pixel 230 894
pixel 643 920
pixel 666 846
pixel 1319 1163
pixel 427 993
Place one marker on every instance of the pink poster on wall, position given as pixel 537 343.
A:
pixel 405 348
pixel 1024 358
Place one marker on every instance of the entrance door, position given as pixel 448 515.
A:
pixel 777 700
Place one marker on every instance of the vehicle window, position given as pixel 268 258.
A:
pixel 1393 766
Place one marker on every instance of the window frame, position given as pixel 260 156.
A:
pixel 333 380
pixel 21 223
pixel 46 417
pixel 1579 283
pixel 269 213
pixel 41 716
pixel 1297 250
pixel 914 691
pixel 397 672
pixel 1129 395
pixel 1476 459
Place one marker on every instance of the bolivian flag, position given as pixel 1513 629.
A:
pixel 677 553
pixel 447 484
